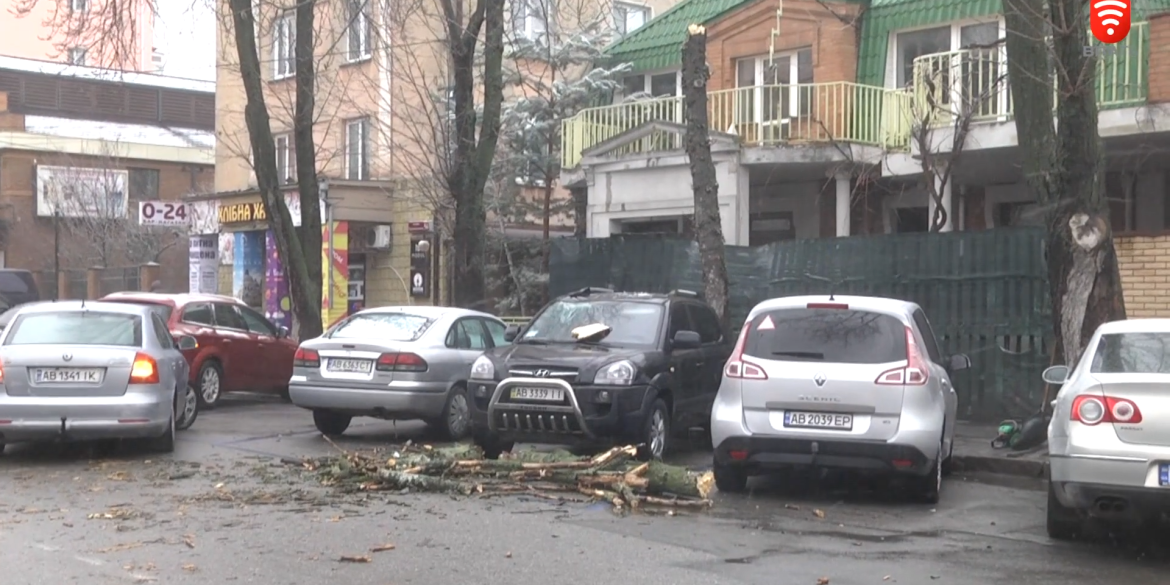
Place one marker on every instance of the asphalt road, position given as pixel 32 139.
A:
pixel 224 510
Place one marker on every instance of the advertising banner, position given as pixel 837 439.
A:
pixel 277 303
pixel 81 192
pixel 248 268
pixel 203 264
pixel 335 269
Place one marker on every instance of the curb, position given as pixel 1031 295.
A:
pixel 1020 467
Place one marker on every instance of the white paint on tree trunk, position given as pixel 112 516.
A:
pixel 1087 233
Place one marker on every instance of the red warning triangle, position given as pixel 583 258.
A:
pixel 766 323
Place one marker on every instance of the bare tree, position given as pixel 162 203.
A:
pixel 697 141
pixel 1063 163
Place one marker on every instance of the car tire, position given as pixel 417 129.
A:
pixel 188 409
pixel 455 422
pixel 210 384
pixel 492 446
pixel 331 424
pixel 948 464
pixel 284 393
pixel 1063 523
pixel 654 439
pixel 730 479
pixel 930 485
pixel 166 442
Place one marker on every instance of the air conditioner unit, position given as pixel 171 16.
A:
pixel 379 237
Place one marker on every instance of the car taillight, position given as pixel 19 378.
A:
pixel 401 362
pixel 914 373
pixel 1092 410
pixel 144 370
pixel 736 366
pixel 306 358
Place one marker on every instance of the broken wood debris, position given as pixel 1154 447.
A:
pixel 613 476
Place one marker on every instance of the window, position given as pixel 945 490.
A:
pixel 706 324
pixel 496 330
pixel 658 85
pixel 976 75
pixel 161 333
pixel 680 320
pixel 530 19
pixel 631 322
pixel 910 220
pixel 927 332
pixel 198 314
pixel 1132 353
pixel 286 160
pixel 284 41
pixel 19 283
pixel 827 335
pixel 77 56
pixel 468 334
pixel 766 227
pixel 227 317
pixel 163 311
pixel 777 96
pixel 357 149
pixel 256 322
pixel 628 18
pixel 384 326
pixel 143 184
pixel 357 32
pixel 76 328
pixel 79 5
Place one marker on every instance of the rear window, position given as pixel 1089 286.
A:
pixel 159 309
pixel 827 335
pixel 76 328
pixel 387 326
pixel 15 282
pixel 1132 353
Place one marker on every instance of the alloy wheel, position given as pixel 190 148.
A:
pixel 458 415
pixel 190 405
pixel 209 385
pixel 657 432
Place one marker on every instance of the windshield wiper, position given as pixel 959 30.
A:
pixel 811 355
pixel 532 342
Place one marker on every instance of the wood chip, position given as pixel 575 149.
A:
pixel 823 581
pixel 355 559
pixel 190 568
pixel 819 513
pixel 382 548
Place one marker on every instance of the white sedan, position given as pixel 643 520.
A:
pixel 1109 439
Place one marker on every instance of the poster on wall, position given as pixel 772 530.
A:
pixel 335 266
pixel 248 268
pixel 420 264
pixel 203 264
pixel 277 303
pixel 81 192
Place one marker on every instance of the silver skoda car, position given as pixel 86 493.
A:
pixel 1109 438
pixel 841 382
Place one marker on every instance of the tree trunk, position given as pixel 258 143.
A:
pixel 308 188
pixel 708 225
pixel 1063 164
pixel 289 247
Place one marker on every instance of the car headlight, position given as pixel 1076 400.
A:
pixel 617 374
pixel 483 369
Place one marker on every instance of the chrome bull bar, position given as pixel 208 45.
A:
pixel 536 418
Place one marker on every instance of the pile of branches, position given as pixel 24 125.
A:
pixel 613 476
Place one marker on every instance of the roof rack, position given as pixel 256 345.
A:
pixel 590 290
pixel 682 292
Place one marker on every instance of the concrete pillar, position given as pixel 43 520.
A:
pixel 93 283
pixel 844 198
pixel 62 285
pixel 147 274
pixel 945 192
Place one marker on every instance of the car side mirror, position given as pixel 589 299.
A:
pixel 1055 374
pixel 282 332
pixel 959 361
pixel 186 342
pixel 684 339
pixel 511 333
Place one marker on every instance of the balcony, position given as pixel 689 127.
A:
pixel 814 113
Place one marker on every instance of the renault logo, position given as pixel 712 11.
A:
pixel 819 379
pixel 542 373
pixel 67 357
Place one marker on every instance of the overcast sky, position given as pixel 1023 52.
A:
pixel 185 32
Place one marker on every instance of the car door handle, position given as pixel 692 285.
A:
pixel 699 364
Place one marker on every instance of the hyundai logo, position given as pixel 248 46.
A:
pixel 542 373
pixel 819 379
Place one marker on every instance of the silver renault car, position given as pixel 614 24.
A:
pixel 1109 438
pixel 841 382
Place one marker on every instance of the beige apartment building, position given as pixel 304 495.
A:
pixel 381 131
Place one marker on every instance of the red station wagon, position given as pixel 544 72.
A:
pixel 239 349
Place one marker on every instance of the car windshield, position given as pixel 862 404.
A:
pixel 386 326
pixel 1132 353
pixel 631 322
pixel 76 328
pixel 162 310
pixel 839 336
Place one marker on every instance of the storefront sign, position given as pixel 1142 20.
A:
pixel 203 265
pixel 242 213
pixel 335 270
pixel 418 226
pixel 420 265
pixel 164 213
pixel 277 303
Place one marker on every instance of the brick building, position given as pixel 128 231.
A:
pixel 79 133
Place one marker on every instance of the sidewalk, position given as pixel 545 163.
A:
pixel 973 452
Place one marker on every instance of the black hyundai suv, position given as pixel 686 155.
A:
pixel 600 367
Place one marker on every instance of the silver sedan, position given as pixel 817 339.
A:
pixel 394 363
pixel 1109 438
pixel 74 370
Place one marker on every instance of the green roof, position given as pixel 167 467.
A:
pixel 658 43
pixel 887 16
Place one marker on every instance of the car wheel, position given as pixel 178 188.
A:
pixel 1064 523
pixel 492 446
pixel 730 479
pixel 210 382
pixel 331 424
pixel 166 442
pixel 455 423
pixel 930 485
pixel 655 436
pixel 188 409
